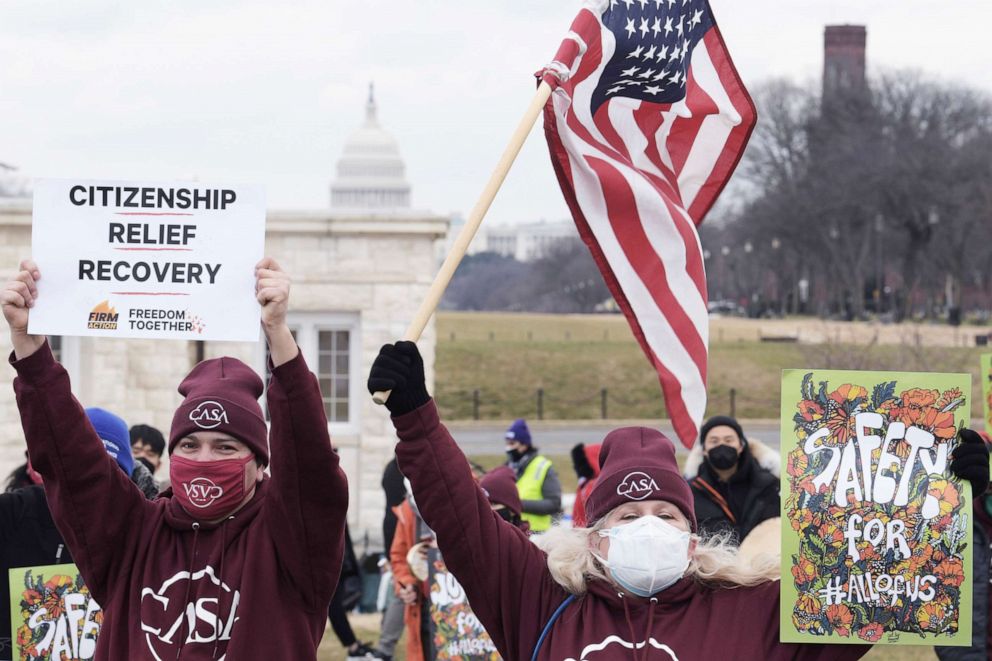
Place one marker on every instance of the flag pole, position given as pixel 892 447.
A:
pixel 460 247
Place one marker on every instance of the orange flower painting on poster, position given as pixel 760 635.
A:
pixel 876 531
pixel 53 615
pixel 457 634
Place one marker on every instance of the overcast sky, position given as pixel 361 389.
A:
pixel 253 91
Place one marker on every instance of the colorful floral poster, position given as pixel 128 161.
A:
pixel 876 534
pixel 458 634
pixel 52 614
pixel 987 391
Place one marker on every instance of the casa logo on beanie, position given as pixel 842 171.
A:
pixel 637 486
pixel 208 415
pixel 202 492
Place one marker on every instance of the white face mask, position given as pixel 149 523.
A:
pixel 646 556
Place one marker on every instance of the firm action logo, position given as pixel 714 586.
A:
pixel 103 317
pixel 208 415
pixel 202 492
pixel 637 486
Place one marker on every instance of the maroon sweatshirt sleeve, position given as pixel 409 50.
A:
pixel 504 575
pixel 309 496
pixel 94 504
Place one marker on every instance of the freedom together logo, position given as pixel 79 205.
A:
pixel 637 486
pixel 208 415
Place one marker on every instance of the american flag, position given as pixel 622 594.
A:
pixel 646 123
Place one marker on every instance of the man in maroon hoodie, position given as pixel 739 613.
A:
pixel 636 585
pixel 229 564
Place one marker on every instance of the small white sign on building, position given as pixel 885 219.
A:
pixel 147 259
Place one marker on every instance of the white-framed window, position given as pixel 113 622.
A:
pixel 330 344
pixel 66 351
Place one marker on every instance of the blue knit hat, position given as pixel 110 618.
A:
pixel 518 432
pixel 113 432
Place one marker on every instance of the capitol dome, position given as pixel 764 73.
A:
pixel 370 172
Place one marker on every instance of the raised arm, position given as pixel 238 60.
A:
pixel 493 560
pixel 82 482
pixel 309 495
pixel 18 297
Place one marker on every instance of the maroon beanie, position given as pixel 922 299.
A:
pixel 637 463
pixel 221 394
pixel 500 485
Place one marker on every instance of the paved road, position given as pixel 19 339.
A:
pixel 558 438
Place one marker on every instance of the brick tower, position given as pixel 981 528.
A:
pixel 843 57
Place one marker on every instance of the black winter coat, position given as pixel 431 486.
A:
pixel 28 537
pixel 980 599
pixel 750 497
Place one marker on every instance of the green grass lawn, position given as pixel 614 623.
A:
pixel 508 357
pixel 366 628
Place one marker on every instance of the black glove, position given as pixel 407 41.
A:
pixel 400 369
pixel 970 461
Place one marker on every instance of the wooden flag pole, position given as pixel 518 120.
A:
pixel 460 247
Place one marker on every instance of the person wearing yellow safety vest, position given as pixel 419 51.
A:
pixel 537 481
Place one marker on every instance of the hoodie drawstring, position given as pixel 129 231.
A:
pixel 630 625
pixel 220 584
pixel 647 634
pixel 189 585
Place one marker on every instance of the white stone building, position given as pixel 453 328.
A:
pixel 359 268
pixel 527 242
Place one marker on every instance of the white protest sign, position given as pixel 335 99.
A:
pixel 147 259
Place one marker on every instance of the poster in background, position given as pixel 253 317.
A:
pixel 876 535
pixel 147 259
pixel 986 376
pixel 457 633
pixel 52 615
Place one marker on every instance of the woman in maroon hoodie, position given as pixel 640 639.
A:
pixel 230 564
pixel 637 584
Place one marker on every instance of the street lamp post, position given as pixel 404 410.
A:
pixel 879 269
pixel 750 286
pixel 779 302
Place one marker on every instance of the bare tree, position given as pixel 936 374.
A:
pixel 889 178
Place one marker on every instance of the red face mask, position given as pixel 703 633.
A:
pixel 208 490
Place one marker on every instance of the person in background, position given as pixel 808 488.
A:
pixel 537 481
pixel 500 488
pixel 147 446
pixel 346 597
pixel 392 617
pixel 732 493
pixel 981 598
pixel 585 461
pixel 20 478
pixel 28 536
pixel 411 591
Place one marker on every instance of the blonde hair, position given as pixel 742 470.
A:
pixel 715 562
